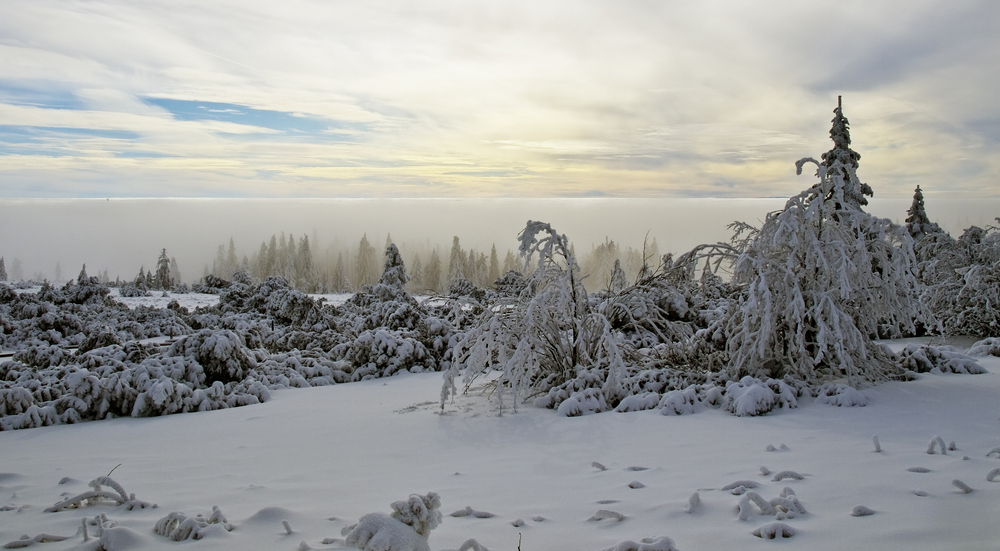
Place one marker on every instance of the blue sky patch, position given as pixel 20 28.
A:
pixel 46 98
pixel 281 121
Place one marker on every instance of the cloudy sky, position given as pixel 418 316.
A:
pixel 473 98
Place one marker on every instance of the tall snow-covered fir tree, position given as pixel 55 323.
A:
pixel 3 270
pixel 824 279
pixel 917 222
pixel 366 264
pixel 164 280
pixel 844 160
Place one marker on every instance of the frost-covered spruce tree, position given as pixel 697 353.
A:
pixel 917 222
pixel 3 270
pixel 163 279
pixel 544 336
pixel 823 280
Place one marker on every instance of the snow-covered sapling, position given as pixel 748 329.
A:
pixel 406 529
pixel 936 441
pixel 598 466
pixel 94 496
pixel 693 502
pixel 783 475
pixel 962 486
pixel 878 448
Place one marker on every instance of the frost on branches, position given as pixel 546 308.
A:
pixel 823 280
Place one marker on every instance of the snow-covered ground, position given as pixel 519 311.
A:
pixel 320 458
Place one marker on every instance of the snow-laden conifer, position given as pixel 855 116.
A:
pixel 546 335
pixel 824 279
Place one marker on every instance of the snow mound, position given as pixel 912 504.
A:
pixel 645 544
pixel 774 530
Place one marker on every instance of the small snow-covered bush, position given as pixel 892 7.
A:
pixel 406 529
pixel 921 358
pixel 986 347
pixel 582 403
pixel 179 527
pixel 840 395
pixel 750 397
pixel 222 354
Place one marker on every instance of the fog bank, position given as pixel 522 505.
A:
pixel 122 235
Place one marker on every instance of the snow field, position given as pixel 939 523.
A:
pixel 321 458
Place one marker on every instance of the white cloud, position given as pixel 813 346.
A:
pixel 563 97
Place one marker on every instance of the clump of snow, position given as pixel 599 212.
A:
pixel 751 397
pixel 861 511
pixel 840 395
pixel 468 511
pixel 774 530
pixel 582 403
pixel 785 475
pixel 662 543
pixel 179 527
pixel 606 514
pixel 993 475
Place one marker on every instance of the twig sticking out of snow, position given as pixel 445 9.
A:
pixel 744 506
pixel 598 466
pixel 646 544
pixel 862 511
pixel 992 475
pixel 774 530
pixel 693 502
pixel 962 486
pixel 288 527
pixel 878 448
pixel 604 514
pixel 786 474
pixel 84 500
pixel 936 440
pixel 952 447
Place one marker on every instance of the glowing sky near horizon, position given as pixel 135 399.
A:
pixel 469 98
